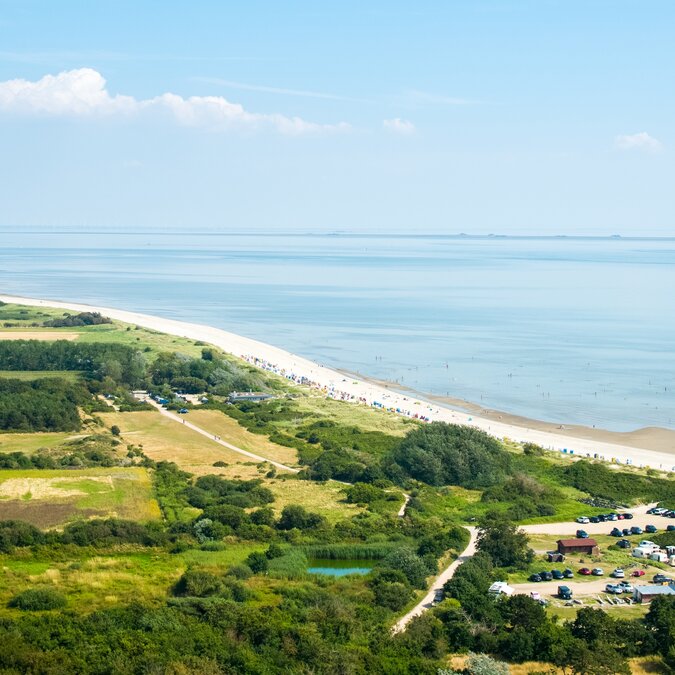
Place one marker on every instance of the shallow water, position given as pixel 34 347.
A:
pixel 339 568
pixel 561 329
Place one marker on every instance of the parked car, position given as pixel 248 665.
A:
pixel 582 534
pixel 628 516
pixel 670 528
pixel 597 572
pixel 568 573
pixel 624 543
pixel 626 587
pixel 183 411
pixel 564 592
pixel 635 530
pixel 594 519
pixel 620 516
pixel 557 574
pixel 651 511
pixel 650 529
pixel 546 576
pixel 612 516
pixel 637 573
pixel 535 578
pixel 613 588
pixel 626 531
pixel 616 532
pixel 602 518
pixel 583 520
pixel 660 579
pixel 534 595
pixel 585 571
pixel 618 573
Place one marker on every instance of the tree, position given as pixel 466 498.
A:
pixel 503 542
pixel 294 516
pixel 410 564
pixel 115 430
pixel 258 562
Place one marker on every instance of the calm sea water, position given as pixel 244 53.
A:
pixel 567 330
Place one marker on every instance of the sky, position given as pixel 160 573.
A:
pixel 444 116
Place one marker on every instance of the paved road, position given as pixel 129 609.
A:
pixel 428 600
pixel 181 420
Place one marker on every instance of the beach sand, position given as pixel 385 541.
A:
pixel 650 447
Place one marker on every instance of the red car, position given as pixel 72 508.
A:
pixel 585 571
pixel 638 573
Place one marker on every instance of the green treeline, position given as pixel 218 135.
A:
pixel 41 405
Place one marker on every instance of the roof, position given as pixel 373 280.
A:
pixel 578 542
pixel 655 589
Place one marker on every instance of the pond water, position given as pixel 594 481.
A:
pixel 339 568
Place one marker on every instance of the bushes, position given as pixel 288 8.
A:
pixel 409 564
pixel 37 599
pixel 110 532
pixel 297 517
pixel 81 319
pixel 16 533
pixel 448 454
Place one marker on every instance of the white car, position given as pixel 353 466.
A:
pixel 618 573
pixel 583 520
pixel 535 596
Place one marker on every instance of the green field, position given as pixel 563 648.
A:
pixel 27 375
pixel 50 498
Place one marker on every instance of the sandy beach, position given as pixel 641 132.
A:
pixel 645 447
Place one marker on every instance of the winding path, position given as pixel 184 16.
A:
pixel 428 600
pixel 216 439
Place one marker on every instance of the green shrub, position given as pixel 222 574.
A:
pixel 37 599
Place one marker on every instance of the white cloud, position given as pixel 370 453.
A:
pixel 639 141
pixel 83 92
pixel 399 126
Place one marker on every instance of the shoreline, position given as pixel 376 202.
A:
pixel 647 447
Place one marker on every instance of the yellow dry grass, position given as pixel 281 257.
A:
pixel 231 431
pixel 165 440
pixel 47 335
pixel 326 499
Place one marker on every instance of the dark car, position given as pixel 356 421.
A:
pixel 652 510
pixel 651 529
pixel 661 579
pixel 546 576
pixel 535 577
pixel 602 518
pixel 183 411
pixel 582 534
pixel 594 519
pixel 670 528
pixel 636 530
pixel 557 574
pixel 568 573
pixel 628 516
pixel 626 531
pixel 564 592
pixel 616 532
pixel 624 543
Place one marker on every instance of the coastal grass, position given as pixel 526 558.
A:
pixel 326 499
pixel 163 439
pixel 30 375
pixel 50 498
pixel 28 443
pixel 229 430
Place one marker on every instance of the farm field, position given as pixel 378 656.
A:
pixel 51 498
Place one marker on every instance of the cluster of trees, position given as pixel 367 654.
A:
pixel 210 373
pixel 99 533
pixel 450 454
pixel 526 497
pixel 49 404
pixel 74 320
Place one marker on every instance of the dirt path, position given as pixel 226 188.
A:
pixel 181 420
pixel 428 600
pixel 401 511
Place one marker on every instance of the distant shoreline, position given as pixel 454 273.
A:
pixel 652 447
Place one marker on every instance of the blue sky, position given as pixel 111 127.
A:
pixel 506 116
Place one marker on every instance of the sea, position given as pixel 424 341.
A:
pixel 563 329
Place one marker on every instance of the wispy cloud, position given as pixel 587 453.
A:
pixel 430 98
pixel 83 92
pixel 276 90
pixel 64 56
pixel 640 141
pixel 399 126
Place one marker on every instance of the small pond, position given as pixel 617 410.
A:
pixel 339 568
